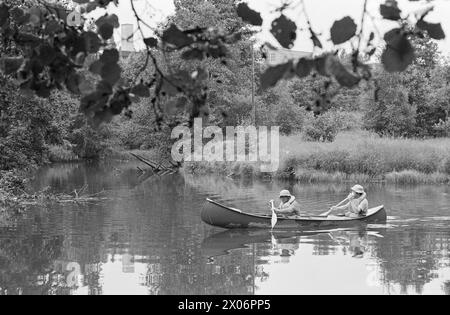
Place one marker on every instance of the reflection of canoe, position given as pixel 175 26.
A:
pixel 218 215
pixel 221 243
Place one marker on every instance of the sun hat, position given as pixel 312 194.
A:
pixel 358 189
pixel 285 193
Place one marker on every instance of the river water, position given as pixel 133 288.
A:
pixel 146 237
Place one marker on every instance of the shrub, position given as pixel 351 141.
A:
pixel 323 128
pixel 447 166
pixel 443 128
pixel 12 182
pixel 61 153
pixel 290 119
pixel 90 143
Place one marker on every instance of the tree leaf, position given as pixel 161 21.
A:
pixel 27 39
pixel 174 36
pixel 92 42
pixel 168 88
pixel 96 67
pixel 343 30
pixel 47 54
pixel 111 19
pixel 10 65
pixel 285 31
pixel 193 54
pixel 19 16
pixel 110 56
pixel 106 31
pixel 91 6
pixel 399 53
pixel 151 42
pixel 304 67
pixel 320 65
pixel 36 16
pixel 141 90
pixel 272 75
pixel 249 15
pixel 341 74
pixel 106 25
pixel 4 14
pixel 434 30
pixel 390 11
pixel 111 73
pixel 52 27
pixel 73 82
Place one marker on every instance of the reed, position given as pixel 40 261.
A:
pixel 60 154
pixel 357 156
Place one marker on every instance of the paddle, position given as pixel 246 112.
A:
pixel 274 215
pixel 326 214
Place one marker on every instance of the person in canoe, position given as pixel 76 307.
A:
pixel 354 206
pixel 288 206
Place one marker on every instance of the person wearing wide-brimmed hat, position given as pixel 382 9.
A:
pixel 355 205
pixel 288 206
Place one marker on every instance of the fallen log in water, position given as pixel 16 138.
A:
pixel 77 196
pixel 159 169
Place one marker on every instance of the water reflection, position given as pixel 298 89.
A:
pixel 148 239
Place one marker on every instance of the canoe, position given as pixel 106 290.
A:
pixel 219 215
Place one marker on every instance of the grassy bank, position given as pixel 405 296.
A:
pixel 354 156
pixel 61 154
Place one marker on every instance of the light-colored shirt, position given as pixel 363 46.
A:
pixel 290 208
pixel 358 207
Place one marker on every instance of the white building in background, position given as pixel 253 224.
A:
pixel 277 56
pixel 127 40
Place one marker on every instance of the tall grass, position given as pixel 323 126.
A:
pixel 367 154
pixel 356 156
pixel 61 154
pixel 358 152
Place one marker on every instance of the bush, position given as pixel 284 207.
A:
pixel 447 166
pixel 391 112
pixel 62 153
pixel 12 182
pixel 90 143
pixel 323 128
pixel 290 120
pixel 443 128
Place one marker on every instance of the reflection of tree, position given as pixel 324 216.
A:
pixel 446 288
pixel 411 257
pixel 157 223
pixel 26 264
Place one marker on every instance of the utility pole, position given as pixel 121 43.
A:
pixel 253 86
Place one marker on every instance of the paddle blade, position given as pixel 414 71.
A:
pixel 274 219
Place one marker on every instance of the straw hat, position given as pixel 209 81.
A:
pixel 285 193
pixel 358 189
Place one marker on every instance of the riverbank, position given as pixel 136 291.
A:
pixel 354 157
pixel 61 154
pixel 14 190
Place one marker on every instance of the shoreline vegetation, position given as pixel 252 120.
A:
pixel 356 156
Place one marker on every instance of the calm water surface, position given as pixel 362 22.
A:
pixel 147 238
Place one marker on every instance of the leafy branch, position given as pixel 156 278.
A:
pixel 43 52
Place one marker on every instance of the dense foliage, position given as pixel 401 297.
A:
pixel 191 69
pixel 46 50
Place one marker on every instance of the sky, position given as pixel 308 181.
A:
pixel 322 13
